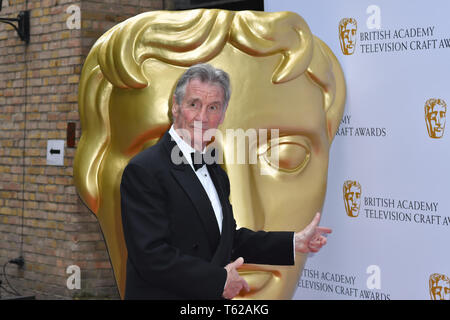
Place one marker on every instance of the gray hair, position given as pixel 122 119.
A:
pixel 205 73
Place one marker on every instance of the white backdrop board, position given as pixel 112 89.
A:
pixel 392 147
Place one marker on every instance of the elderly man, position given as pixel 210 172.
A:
pixel 178 223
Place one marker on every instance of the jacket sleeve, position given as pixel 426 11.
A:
pixel 147 236
pixel 261 247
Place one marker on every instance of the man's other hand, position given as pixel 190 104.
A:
pixel 235 283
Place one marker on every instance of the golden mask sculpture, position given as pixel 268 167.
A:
pixel 435 116
pixel 439 285
pixel 282 77
pixel 352 197
pixel 347 35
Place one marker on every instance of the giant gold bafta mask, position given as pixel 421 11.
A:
pixel 281 77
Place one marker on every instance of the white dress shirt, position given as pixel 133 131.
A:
pixel 202 175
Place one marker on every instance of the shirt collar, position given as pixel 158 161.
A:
pixel 185 148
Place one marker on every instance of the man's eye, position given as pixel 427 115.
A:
pixel 193 105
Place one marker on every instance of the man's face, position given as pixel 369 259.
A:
pixel 436 120
pixel 202 108
pixel 353 201
pixel 348 37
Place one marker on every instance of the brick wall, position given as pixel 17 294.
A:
pixel 41 216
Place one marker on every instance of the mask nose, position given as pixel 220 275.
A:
pixel 247 208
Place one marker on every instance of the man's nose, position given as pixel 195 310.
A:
pixel 202 115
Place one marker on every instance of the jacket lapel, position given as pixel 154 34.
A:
pixel 194 189
pixel 189 182
pixel 222 254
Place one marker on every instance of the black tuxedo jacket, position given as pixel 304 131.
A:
pixel 175 249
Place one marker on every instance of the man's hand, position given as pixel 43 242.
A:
pixel 312 238
pixel 235 283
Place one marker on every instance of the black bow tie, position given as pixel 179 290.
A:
pixel 198 159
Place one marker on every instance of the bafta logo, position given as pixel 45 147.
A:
pixel 439 287
pixel 352 197
pixel 347 35
pixel 435 112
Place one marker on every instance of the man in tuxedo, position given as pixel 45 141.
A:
pixel 178 223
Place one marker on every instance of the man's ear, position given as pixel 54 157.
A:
pixel 175 107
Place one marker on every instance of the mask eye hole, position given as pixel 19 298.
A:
pixel 287 154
